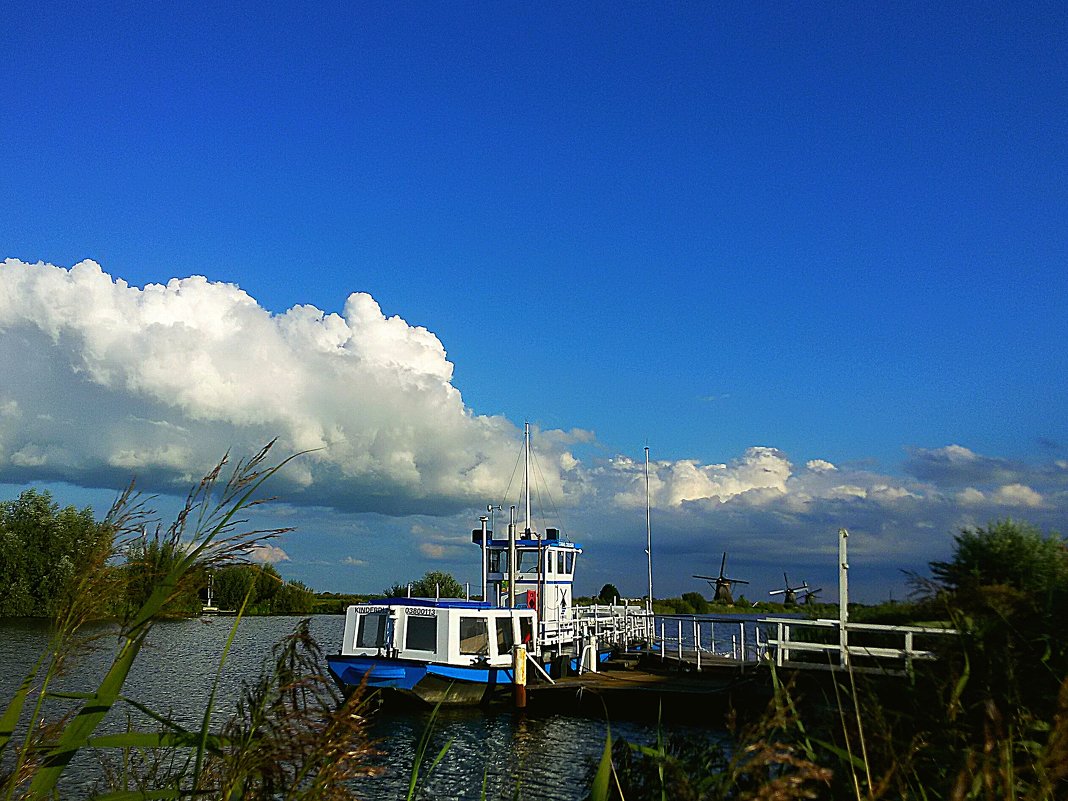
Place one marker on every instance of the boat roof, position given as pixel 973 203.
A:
pixel 533 543
pixel 433 603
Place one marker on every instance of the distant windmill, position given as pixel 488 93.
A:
pixel 721 583
pixel 793 594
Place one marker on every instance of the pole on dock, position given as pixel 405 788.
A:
pixel 519 672
pixel 648 534
pixel 843 597
pixel 511 558
pixel 484 520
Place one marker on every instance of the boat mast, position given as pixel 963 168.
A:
pixel 526 475
pixel 648 533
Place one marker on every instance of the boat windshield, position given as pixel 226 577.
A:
pixel 527 561
pixel 474 635
pixel 505 637
pixel 372 630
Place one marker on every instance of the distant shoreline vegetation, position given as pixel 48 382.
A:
pixel 43 545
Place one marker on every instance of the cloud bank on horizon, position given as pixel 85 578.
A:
pixel 104 380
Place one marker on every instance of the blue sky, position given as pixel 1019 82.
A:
pixel 835 232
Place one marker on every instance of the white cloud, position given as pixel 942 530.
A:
pixel 267 554
pixel 820 466
pixel 161 380
pixel 847 491
pixel 102 380
pixel 1017 495
pixel 431 550
pixel 758 471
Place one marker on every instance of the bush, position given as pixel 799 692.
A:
pixel 41 550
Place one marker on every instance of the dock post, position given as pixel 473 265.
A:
pixel 663 640
pixel 519 673
pixel 843 597
pixel 680 640
pixel 697 641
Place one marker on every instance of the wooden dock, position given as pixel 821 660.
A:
pixel 650 686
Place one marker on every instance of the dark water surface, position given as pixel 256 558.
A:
pixel 544 756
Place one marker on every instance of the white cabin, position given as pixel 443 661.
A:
pixel 450 631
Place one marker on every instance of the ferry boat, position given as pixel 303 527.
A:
pixel 459 651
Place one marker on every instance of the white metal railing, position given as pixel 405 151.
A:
pixel 610 624
pixel 700 640
pixel 785 644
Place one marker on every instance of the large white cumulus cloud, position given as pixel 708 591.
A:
pixel 102 379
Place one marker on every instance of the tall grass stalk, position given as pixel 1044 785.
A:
pixel 293 736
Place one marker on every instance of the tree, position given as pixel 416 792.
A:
pixel 608 594
pixel 230 585
pixel 1006 590
pixel 697 601
pixel 148 560
pixel 270 593
pixel 293 598
pixel 41 549
pixel 1006 553
pixel 433 584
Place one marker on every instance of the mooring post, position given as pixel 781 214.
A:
pixel 680 639
pixel 843 597
pixel 697 641
pixel 519 673
pixel 663 639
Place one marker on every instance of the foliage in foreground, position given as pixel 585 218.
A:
pixel 988 721
pixel 291 737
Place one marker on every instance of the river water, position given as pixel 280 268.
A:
pixel 545 756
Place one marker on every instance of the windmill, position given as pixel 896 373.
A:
pixel 792 595
pixel 721 583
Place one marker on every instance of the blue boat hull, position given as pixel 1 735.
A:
pixel 428 682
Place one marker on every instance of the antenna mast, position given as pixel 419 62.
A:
pixel 648 533
pixel 526 475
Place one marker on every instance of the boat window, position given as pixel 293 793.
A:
pixel 549 562
pixel 421 634
pixel 372 630
pixel 474 635
pixel 560 562
pixel 497 564
pixel 570 562
pixel 526 630
pixel 528 562
pixel 505 635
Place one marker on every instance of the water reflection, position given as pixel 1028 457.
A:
pixel 541 756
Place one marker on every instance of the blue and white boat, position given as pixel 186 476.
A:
pixel 459 651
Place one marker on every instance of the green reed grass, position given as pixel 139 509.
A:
pixel 293 736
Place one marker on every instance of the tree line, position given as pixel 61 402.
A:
pixel 42 547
